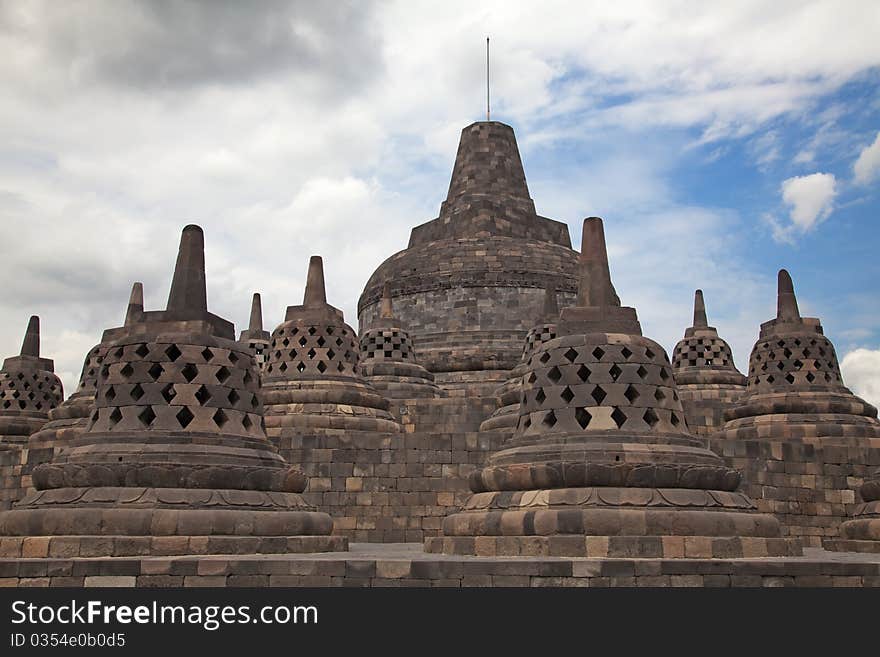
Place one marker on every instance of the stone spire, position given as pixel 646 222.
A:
pixel 188 288
pixel 255 325
pixel 188 298
pixel 598 306
pixel 708 381
pixel 386 310
pixel 135 309
pixel 700 320
pixel 601 463
pixel 30 346
pixel 255 338
pixel 388 359
pixel 175 445
pixel 487 165
pixel 315 295
pixel 786 302
pixel 594 286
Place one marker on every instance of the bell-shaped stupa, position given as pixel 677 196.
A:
pixel 794 386
pixel 388 360
pixel 506 416
pixel 601 463
pixel 70 419
pixel 470 283
pixel 175 459
pixel 707 379
pixel 311 380
pixel 255 338
pixel 29 389
pixel 798 434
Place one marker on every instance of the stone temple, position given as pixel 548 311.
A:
pixel 497 419
pixel 472 280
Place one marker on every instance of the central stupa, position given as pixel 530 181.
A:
pixel 471 281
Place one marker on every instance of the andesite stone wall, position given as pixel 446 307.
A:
pixel 395 487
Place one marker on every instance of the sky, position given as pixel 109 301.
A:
pixel 719 141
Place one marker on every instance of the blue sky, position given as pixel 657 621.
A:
pixel 718 142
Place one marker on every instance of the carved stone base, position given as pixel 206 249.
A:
pixel 167 512
pixel 567 519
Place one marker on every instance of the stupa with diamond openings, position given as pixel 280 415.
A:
pixel 601 463
pixel 388 360
pixel 311 379
pixel 802 440
pixel 175 459
pixel 68 420
pixel 705 374
pixel 29 389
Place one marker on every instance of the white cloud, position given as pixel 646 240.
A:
pixel 811 198
pixel 861 373
pixel 867 166
pixel 291 128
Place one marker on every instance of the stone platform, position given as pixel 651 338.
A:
pixel 406 565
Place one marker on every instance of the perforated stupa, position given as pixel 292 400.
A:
pixel 311 379
pixel 705 374
pixel 388 360
pixel 29 389
pixel 601 463
pixel 174 459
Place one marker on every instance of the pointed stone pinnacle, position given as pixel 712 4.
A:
pixel 786 302
pixel 135 304
pixel 551 306
pixel 256 322
pixel 30 346
pixel 316 295
pixel 188 287
pixel 700 320
pixel 595 287
pixel 386 310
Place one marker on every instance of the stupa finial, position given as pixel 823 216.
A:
pixel 386 310
pixel 316 294
pixel 30 346
pixel 786 302
pixel 700 320
pixel 188 288
pixel 595 287
pixel 551 306
pixel 256 322
pixel 135 304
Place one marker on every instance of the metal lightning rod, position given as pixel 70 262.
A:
pixel 487 79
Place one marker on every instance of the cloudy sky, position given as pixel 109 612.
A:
pixel 720 141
